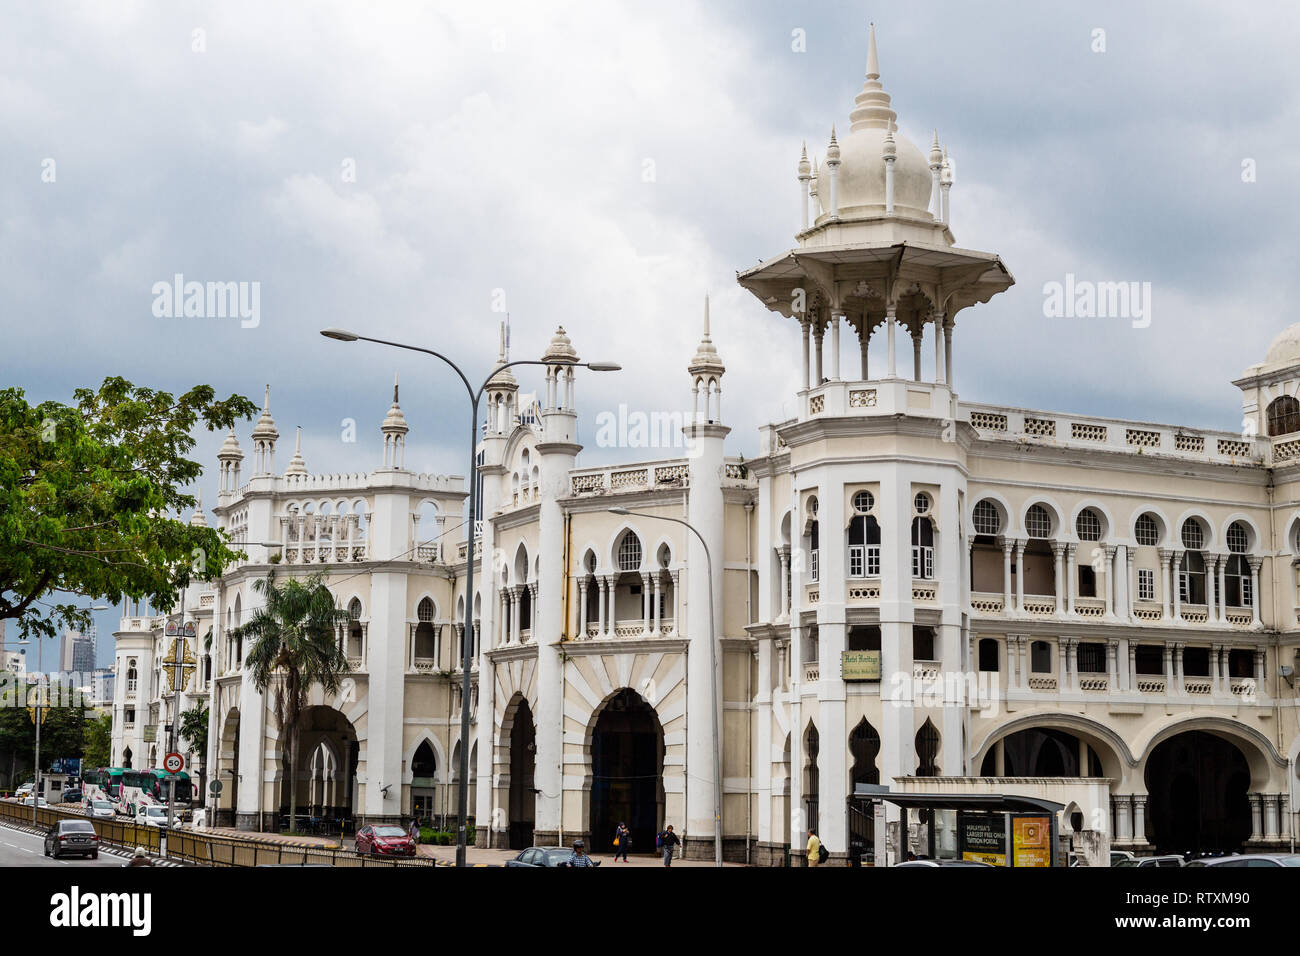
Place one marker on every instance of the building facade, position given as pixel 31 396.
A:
pixel 902 584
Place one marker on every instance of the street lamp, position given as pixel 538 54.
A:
pixel 40 666
pixel 467 643
pixel 713 670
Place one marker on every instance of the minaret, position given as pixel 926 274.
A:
pixel 936 164
pixel 395 429
pixel 229 459
pixel 833 163
pixel 558 450
pixel 705 437
pixel 889 152
pixel 264 436
pixel 945 184
pixel 296 465
pixel 805 175
pixel 502 394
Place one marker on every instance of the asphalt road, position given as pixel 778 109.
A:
pixel 20 848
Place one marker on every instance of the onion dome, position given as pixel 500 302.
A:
pixel 560 351
pixel 264 430
pixel 394 422
pixel 230 450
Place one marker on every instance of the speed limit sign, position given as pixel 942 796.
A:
pixel 173 763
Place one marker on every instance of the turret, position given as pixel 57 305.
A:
pixel 502 394
pixel 296 465
pixel 395 429
pixel 229 459
pixel 264 437
pixel 706 371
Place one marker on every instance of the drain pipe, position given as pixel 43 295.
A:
pixel 749 689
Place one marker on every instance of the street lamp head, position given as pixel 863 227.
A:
pixel 604 366
pixel 619 511
pixel 343 335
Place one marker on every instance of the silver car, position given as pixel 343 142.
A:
pixel 101 808
pixel 1250 860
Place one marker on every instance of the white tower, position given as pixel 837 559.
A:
pixel 705 436
pixel 264 437
pixel 395 430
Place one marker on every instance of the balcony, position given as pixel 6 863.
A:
pixel 1040 606
pixel 924 592
pixel 983 602
pixel 1195 613
pixel 1094 683
pixel 1042 682
pixel 425 665
pixel 1089 607
pixel 1150 685
pixel 1147 611
pixel 812 673
pixel 632 629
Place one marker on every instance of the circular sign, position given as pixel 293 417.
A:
pixel 173 763
pixel 171 629
pixel 189 629
pixel 214 787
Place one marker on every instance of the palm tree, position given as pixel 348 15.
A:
pixel 295 644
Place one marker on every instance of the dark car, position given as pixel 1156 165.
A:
pixel 910 863
pixel 72 836
pixel 538 856
pixel 384 840
pixel 1150 861
pixel 73 795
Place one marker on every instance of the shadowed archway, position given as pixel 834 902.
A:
pixel 627 763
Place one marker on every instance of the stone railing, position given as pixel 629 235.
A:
pixel 356 664
pixel 1150 685
pixel 813 594
pixel 1239 618
pixel 924 593
pixel 1089 607
pixel 424 665
pixel 986 603
pixel 430 551
pixel 1143 611
pixel 1195 613
pixel 864 592
pixel 1135 438
pixel 1040 606
pixel 1197 686
pixel 925 670
pixel 1094 683
pixel 812 673
pixel 1042 683
pixel 310 552
pixel 631 629
pixel 1243 687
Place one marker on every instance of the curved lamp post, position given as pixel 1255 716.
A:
pixel 467 643
pixel 713 670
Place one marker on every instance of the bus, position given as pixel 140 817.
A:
pixel 103 783
pixel 143 788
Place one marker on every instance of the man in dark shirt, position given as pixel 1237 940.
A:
pixel 668 840
pixel 579 855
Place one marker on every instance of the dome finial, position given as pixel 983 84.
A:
pixel 873 58
pixel 296 465
pixel 871 108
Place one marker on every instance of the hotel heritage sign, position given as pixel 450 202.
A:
pixel 860 665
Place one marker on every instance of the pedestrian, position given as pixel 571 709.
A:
pixel 814 848
pixel 579 855
pixel 668 841
pixel 622 840
pixel 415 831
pixel 140 858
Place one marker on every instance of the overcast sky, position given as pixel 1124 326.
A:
pixel 406 169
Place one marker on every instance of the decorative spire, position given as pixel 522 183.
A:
pixel 504 379
pixel 394 422
pixel 890 149
pixel 296 465
pixel 199 519
pixel 706 360
pixel 230 450
pixel 805 167
pixel 945 174
pixel 833 150
pixel 936 151
pixel 560 350
pixel 265 427
pixel 871 106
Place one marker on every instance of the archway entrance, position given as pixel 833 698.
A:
pixel 627 763
pixel 1196 786
pixel 228 771
pixel 325 768
pixel 424 780
pixel 1043 752
pixel 523 760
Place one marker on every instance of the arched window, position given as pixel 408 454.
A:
pixel 814 544
pixel 986 518
pixel 354 609
pixel 1088 525
pixel 922 548
pixel 1283 415
pixel 988 654
pixel 864 546
pixel 864 745
pixel 1236 576
pixel 863 502
pixel 426 639
pixel 1147 531
pixel 629 553
pixel 927 749
pixel 1193 535
pixel 1191 569
pixel 921 503
pixel 811 775
pixel 1038 523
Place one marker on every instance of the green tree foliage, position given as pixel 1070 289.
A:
pixel 98 736
pixel 85 494
pixel 194 728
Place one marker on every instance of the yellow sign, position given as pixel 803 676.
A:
pixel 1031 841
pixel 860 665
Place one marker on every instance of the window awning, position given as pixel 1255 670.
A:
pixel 988 802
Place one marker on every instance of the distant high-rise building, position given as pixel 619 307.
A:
pixel 77 652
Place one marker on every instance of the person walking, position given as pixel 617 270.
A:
pixel 814 848
pixel 415 831
pixel 668 842
pixel 579 855
pixel 622 840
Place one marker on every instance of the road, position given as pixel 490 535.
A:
pixel 20 848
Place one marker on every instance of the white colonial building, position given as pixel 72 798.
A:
pixel 1100 612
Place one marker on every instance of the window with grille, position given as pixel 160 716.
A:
pixel 354 609
pixel 812 565
pixel 986 518
pixel 1088 525
pixel 629 553
pixel 1038 523
pixel 1092 657
pixel 812 505
pixel 1237 538
pixel 1193 535
pixel 425 611
pixel 863 502
pixel 857 560
pixel 873 560
pixel 1147 532
pixel 1146 584
pixel 921 503
pixel 1283 416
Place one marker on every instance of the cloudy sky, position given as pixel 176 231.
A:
pixel 408 169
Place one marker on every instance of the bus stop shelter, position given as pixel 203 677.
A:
pixel 1000 829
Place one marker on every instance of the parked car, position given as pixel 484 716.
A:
pixel 72 836
pixel 1250 860
pixel 25 790
pixel 544 856
pixel 384 840
pixel 40 801
pixel 73 795
pixel 101 809
pixel 1117 855
pixel 910 863
pixel 1147 861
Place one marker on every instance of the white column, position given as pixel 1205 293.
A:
pixel 1112 580
pixel 603 604
pixel 1220 600
pixel 890 321
pixel 806 330
pixel 1254 589
pixel 784 555
pixel 1007 546
pixel 1130 559
pixel 1071 576
pixel 1058 552
pixel 654 602
pixel 582 608
pixel 817 356
pixel 612 589
pixel 1020 575
pixel 1166 580
pixel 1174 589
pixel 940 375
pixel 837 319
pixel 645 602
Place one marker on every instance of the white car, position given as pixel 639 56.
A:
pixel 151 816
pixel 40 801
pixel 100 808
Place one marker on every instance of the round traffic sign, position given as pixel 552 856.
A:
pixel 214 787
pixel 173 763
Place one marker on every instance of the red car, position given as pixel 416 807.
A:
pixel 385 840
